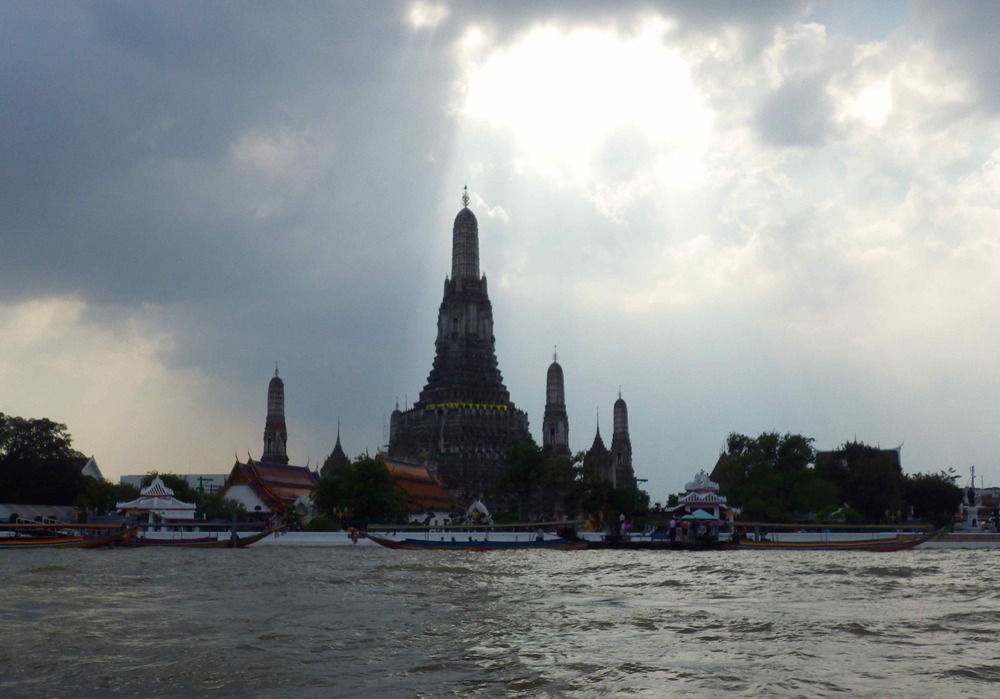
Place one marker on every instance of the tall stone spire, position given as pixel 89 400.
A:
pixel 555 424
pixel 598 458
pixel 337 458
pixel 465 243
pixel 275 432
pixel 464 420
pixel 621 444
pixel 465 363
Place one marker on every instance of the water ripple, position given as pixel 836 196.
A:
pixel 361 622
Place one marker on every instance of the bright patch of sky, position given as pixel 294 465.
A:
pixel 583 105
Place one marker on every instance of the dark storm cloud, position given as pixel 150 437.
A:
pixel 119 119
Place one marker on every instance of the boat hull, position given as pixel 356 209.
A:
pixel 897 543
pixel 100 539
pixel 411 544
pixel 655 545
pixel 204 542
pixel 964 540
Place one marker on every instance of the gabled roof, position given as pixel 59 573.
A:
pixel 87 466
pixel 423 491
pixel 157 489
pixel 278 485
pixel 157 497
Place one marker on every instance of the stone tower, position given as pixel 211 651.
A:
pixel 621 445
pixel 598 458
pixel 555 424
pixel 337 458
pixel 275 432
pixel 464 419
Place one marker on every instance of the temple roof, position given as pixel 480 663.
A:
pixel 156 488
pixel 157 497
pixel 598 446
pixel 337 459
pixel 466 216
pixel 423 492
pixel 701 482
pixel 278 485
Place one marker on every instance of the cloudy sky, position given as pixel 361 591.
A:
pixel 749 216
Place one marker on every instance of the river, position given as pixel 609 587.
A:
pixel 285 621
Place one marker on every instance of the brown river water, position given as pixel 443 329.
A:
pixel 285 621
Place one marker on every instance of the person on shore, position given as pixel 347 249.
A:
pixel 673 529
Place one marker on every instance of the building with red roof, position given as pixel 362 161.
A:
pixel 269 488
pixel 424 493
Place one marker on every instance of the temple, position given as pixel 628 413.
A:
pixel 614 464
pixel 555 424
pixel 271 485
pixel 267 488
pixel 703 494
pixel 156 503
pixel 337 458
pixel 464 420
pixel 275 432
pixel 621 446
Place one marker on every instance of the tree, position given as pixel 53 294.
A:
pixel 364 491
pixel 37 462
pixel 597 495
pixel 933 496
pixel 770 479
pixel 868 479
pixel 526 468
pixel 560 485
pixel 100 496
pixel 630 499
pixel 29 441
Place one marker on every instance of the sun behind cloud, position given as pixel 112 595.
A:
pixel 590 108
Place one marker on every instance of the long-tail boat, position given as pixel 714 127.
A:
pixel 58 535
pixel 210 541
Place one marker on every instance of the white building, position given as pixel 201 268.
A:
pixel 703 494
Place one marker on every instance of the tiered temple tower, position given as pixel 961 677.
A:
pixel 464 419
pixel 555 424
pixel 621 446
pixel 598 458
pixel 275 432
pixel 337 458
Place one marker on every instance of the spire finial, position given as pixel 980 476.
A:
pixel 619 391
pixel 465 196
pixel 598 420
pixel 276 368
pixel 555 353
